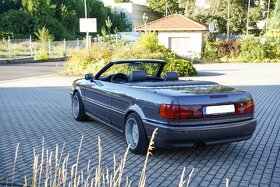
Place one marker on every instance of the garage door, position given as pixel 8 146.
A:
pixel 180 44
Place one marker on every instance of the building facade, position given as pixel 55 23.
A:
pixel 134 11
pixel 181 34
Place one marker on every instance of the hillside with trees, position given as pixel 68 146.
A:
pixel 22 18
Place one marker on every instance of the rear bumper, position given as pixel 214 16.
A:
pixel 188 136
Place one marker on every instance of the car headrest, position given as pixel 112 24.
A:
pixel 137 75
pixel 170 76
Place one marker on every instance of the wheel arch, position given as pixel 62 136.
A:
pixel 77 89
pixel 136 110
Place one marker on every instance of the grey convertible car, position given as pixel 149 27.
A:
pixel 135 97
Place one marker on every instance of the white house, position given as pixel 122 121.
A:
pixel 134 11
pixel 179 33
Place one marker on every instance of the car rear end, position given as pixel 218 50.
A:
pixel 204 114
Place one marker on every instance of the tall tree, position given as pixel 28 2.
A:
pixel 274 23
pixel 214 11
pixel 163 7
pixel 16 23
pixel 20 18
pixel 6 5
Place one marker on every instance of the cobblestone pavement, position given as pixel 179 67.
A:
pixel 29 113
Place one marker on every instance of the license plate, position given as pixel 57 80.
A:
pixel 220 109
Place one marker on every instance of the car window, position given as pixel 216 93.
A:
pixel 126 68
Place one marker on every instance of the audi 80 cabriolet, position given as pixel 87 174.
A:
pixel 135 97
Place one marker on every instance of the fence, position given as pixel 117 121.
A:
pixel 16 48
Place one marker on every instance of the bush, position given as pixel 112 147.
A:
pixel 42 55
pixel 146 47
pixel 210 52
pixel 86 61
pixel 251 49
pixel 248 49
pixel 257 51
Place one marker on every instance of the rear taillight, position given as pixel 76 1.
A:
pixel 189 112
pixel 180 112
pixel 245 107
pixel 169 111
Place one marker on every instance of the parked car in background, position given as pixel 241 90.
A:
pixel 134 96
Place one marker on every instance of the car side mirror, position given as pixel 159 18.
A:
pixel 89 76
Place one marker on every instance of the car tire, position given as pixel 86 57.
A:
pixel 78 108
pixel 135 134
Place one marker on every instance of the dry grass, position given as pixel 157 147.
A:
pixel 53 169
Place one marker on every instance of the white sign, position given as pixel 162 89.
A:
pixel 88 25
pixel 211 27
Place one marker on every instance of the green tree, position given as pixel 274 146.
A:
pixel 16 23
pixel 21 18
pixel 160 6
pixel 6 5
pixel 44 35
pixel 39 8
pixel 275 19
pixel 217 13
pixel 274 23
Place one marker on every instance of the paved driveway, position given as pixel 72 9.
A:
pixel 17 71
pixel 33 109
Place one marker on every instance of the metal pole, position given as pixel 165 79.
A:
pixel 145 27
pixel 49 47
pixel 228 19
pixel 87 39
pixel 30 46
pixel 9 47
pixel 166 8
pixel 268 9
pixel 85 8
pixel 77 46
pixel 64 47
pixel 248 14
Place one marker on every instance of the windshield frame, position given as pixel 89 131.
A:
pixel 127 61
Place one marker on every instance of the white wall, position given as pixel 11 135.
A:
pixel 140 2
pixel 191 49
pixel 134 12
pixel 138 11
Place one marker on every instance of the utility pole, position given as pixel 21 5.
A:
pixel 87 39
pixel 267 17
pixel 85 8
pixel 166 8
pixel 228 19
pixel 186 9
pixel 248 14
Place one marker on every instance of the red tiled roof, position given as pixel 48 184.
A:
pixel 174 22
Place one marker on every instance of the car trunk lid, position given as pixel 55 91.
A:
pixel 218 103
